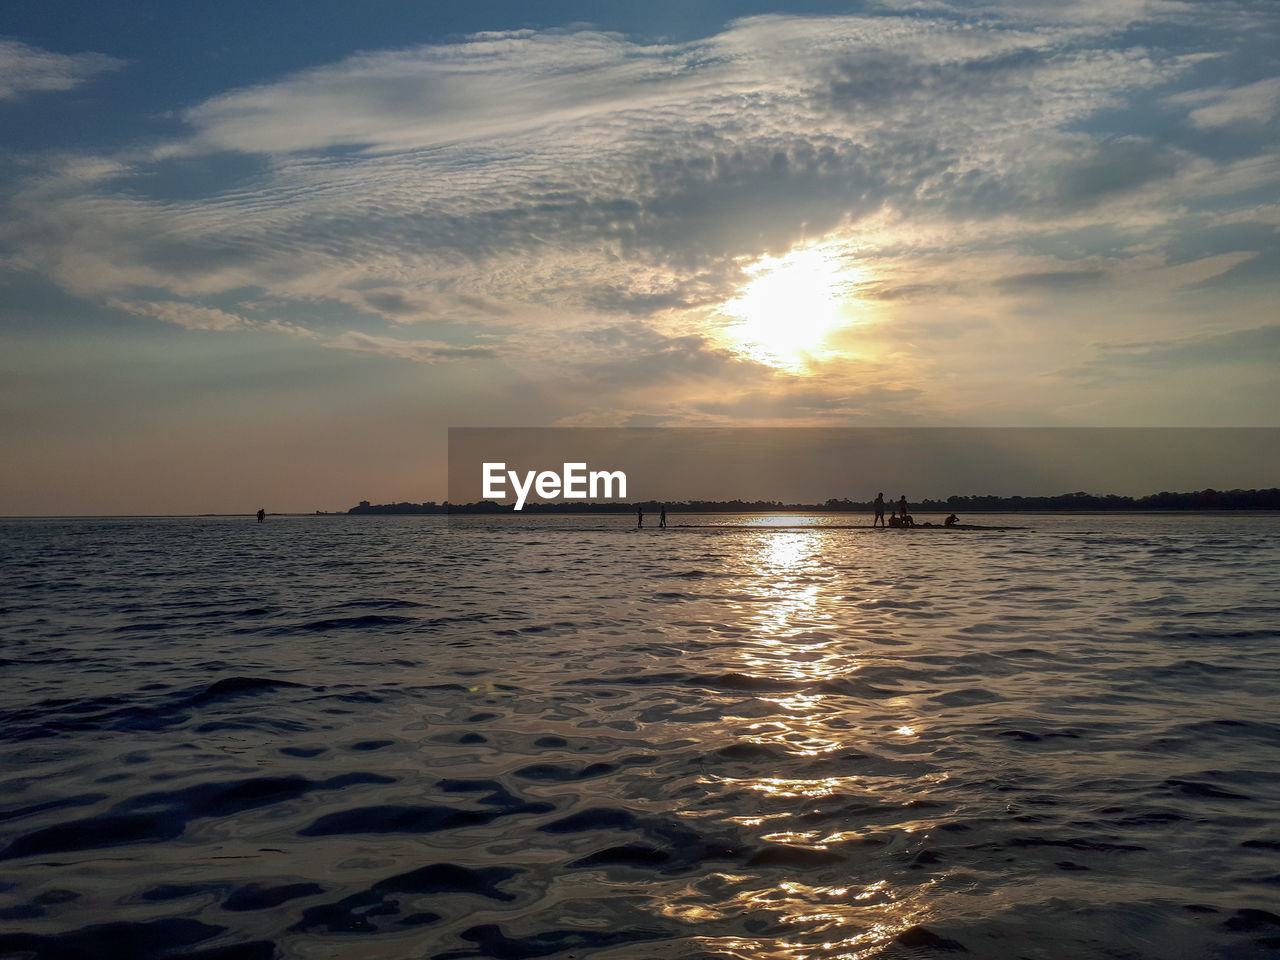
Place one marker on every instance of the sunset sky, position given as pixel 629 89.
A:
pixel 265 254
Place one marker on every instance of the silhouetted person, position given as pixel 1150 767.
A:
pixel 639 517
pixel 262 514
pixel 662 518
pixel 902 507
pixel 951 521
pixel 879 510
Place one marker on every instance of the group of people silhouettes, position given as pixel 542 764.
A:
pixel 899 519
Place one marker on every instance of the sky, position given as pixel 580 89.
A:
pixel 266 254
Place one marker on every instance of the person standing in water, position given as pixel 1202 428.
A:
pixel 902 507
pixel 879 505
pixel 639 517
pixel 662 518
pixel 262 514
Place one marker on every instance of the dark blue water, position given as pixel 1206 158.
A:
pixel 389 738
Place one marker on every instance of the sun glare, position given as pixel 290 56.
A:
pixel 786 311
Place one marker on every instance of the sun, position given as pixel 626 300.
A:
pixel 790 305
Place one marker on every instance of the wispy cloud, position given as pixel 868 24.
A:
pixel 1052 280
pixel 1260 345
pixel 1239 351
pixel 422 351
pixel 184 314
pixel 25 69
pixel 1254 104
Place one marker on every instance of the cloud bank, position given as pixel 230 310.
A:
pixel 522 197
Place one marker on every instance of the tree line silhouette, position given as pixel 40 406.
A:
pixel 1268 499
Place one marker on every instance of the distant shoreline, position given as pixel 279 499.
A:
pixel 925 512
pixel 1202 500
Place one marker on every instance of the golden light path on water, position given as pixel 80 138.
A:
pixel 799 624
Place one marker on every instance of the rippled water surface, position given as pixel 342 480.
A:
pixel 368 737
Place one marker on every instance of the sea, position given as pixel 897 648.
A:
pixel 739 738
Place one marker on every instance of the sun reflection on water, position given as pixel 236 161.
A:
pixel 818 922
pixel 799 654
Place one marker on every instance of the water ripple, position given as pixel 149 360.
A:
pixel 391 737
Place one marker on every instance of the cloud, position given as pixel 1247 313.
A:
pixel 494 86
pixel 1254 104
pixel 1256 346
pixel 197 317
pixel 25 69
pixel 637 355
pixel 420 351
pixel 814 404
pixel 1202 270
pixel 1054 280
pixel 1118 166
pixel 187 315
